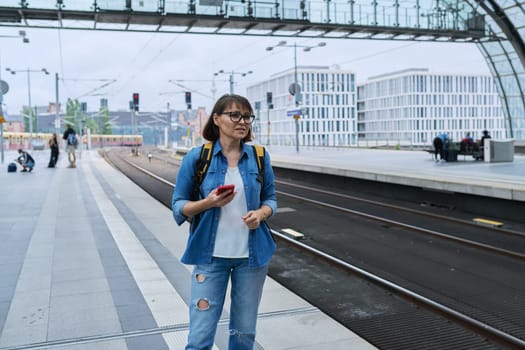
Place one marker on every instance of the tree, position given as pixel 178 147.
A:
pixel 28 114
pixel 73 112
pixel 103 118
pixel 77 117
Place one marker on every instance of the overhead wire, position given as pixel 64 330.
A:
pixel 148 63
pixel 378 53
pixel 124 82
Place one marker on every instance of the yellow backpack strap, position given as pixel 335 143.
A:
pixel 202 167
pixel 259 156
pixel 203 163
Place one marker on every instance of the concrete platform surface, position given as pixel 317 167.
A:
pixel 413 168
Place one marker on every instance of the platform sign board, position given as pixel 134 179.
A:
pixel 295 113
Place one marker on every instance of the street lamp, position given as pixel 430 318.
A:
pixel 22 34
pixel 295 88
pixel 29 71
pixel 232 73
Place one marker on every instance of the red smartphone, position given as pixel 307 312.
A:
pixel 223 188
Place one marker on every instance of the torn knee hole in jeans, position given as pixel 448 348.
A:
pixel 203 304
pixel 200 277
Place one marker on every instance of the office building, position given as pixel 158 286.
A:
pixel 327 107
pixel 410 107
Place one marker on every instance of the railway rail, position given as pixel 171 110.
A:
pixel 496 239
pixel 385 305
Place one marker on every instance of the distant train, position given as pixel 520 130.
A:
pixel 114 140
pixel 16 140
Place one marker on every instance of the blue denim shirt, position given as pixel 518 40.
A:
pixel 201 241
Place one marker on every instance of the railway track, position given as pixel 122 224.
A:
pixel 360 297
pixel 496 239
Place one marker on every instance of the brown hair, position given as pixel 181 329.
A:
pixel 211 131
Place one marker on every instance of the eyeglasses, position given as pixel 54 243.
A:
pixel 236 117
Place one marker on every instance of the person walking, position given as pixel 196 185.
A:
pixel 229 238
pixel 71 138
pixel 53 146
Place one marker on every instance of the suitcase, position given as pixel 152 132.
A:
pixel 11 168
pixel 451 155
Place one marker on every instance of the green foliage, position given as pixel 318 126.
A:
pixel 27 114
pixel 75 116
pixel 73 112
pixel 105 125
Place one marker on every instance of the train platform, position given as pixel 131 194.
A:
pixel 90 261
pixel 505 180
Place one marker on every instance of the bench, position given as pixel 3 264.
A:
pixel 453 149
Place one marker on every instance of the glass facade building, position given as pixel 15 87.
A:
pixel 328 108
pixel 412 106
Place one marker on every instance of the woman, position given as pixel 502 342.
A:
pixel 53 146
pixel 231 239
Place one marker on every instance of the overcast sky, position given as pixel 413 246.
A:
pixel 145 62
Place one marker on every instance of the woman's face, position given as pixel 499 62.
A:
pixel 234 122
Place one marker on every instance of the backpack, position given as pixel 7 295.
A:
pixel 11 168
pixel 204 163
pixel 72 139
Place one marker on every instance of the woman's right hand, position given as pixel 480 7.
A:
pixel 220 200
pixel 213 199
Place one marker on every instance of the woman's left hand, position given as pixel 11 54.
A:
pixel 252 219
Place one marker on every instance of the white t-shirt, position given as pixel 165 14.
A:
pixel 231 240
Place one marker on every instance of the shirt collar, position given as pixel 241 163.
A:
pixel 218 148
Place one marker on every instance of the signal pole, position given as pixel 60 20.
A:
pixel 134 119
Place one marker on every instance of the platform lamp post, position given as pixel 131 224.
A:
pixel 232 73
pixel 295 88
pixel 29 71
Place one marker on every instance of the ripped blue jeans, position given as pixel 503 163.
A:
pixel 208 290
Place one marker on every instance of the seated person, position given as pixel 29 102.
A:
pixel 482 143
pixel 467 143
pixel 468 139
pixel 25 160
pixel 484 137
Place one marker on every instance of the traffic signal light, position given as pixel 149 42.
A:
pixel 269 100
pixel 136 101
pixel 187 96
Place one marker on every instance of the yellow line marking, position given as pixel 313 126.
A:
pixel 487 222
